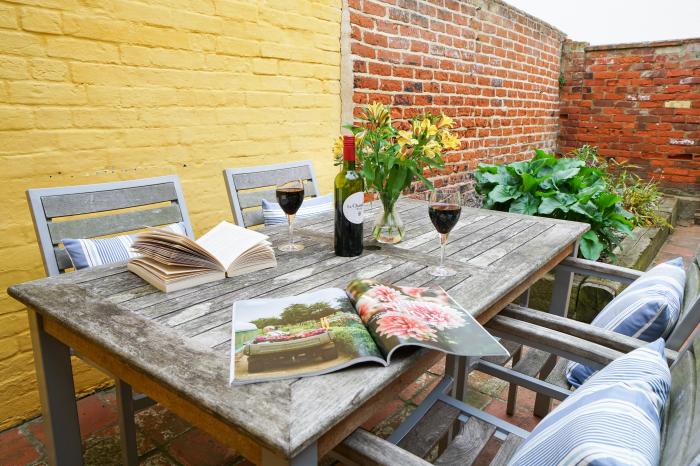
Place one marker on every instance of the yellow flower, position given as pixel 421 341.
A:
pixel 424 127
pixel 378 113
pixel 449 140
pixel 431 149
pixel 338 146
pixel 445 121
pixel 406 137
pixel 375 108
pixel 416 127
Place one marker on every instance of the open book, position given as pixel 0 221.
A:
pixel 327 330
pixel 170 261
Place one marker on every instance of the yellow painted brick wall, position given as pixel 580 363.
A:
pixel 106 90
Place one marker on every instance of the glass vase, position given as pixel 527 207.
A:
pixel 388 226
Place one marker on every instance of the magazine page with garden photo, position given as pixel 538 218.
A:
pixel 327 330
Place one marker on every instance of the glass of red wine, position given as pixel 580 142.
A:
pixel 290 195
pixel 444 208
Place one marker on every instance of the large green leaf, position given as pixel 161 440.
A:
pixel 565 169
pixel 591 246
pixel 550 204
pixel 504 193
pixel 587 209
pixel 519 167
pixel 530 182
pixel 487 168
pixel 605 200
pixel 620 223
pixel 526 204
pixel 542 155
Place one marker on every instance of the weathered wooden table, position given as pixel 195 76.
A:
pixel 175 347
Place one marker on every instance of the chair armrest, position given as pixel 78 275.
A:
pixel 567 346
pixel 599 269
pixel 587 332
pixel 364 448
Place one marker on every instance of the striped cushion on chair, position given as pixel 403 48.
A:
pixel 86 253
pixel 274 215
pixel 613 419
pixel 647 309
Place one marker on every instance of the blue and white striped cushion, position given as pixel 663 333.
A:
pixel 274 215
pixel 86 253
pixel 647 309
pixel 613 419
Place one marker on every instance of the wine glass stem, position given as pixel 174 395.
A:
pixel 443 242
pixel 290 223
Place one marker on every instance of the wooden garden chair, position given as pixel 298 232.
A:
pixel 541 364
pixel 113 208
pixel 247 187
pixel 432 424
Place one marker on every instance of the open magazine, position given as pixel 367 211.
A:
pixel 326 330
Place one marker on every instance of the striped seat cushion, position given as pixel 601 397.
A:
pixel 86 253
pixel 647 309
pixel 613 419
pixel 274 215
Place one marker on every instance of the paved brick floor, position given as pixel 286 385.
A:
pixel 164 439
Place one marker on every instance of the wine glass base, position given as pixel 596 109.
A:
pixel 291 247
pixel 439 271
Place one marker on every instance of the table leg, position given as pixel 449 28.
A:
pixel 308 457
pixel 127 427
pixel 57 393
pixel 559 305
pixel 561 291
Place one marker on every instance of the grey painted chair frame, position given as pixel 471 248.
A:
pixel 544 366
pixel 47 204
pixel 245 193
pixel 563 337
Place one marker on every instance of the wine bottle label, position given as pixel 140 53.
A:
pixel 353 207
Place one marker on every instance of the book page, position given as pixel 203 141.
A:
pixel 174 248
pixel 399 316
pixel 227 242
pixel 310 334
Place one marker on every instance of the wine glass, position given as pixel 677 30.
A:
pixel 444 208
pixel 290 195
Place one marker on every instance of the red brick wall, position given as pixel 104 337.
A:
pixel 491 67
pixel 639 103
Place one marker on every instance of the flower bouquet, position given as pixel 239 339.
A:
pixel 390 158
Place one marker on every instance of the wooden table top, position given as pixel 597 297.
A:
pixel 182 339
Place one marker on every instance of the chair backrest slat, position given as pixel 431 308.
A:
pixel 690 308
pixel 117 223
pixel 62 205
pixel 248 199
pixel 680 440
pixel 108 199
pixel 62 258
pixel 270 175
pixel 246 187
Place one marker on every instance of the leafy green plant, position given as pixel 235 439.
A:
pixel 565 188
pixel 641 198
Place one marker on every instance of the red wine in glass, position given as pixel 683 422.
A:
pixel 290 196
pixel 290 199
pixel 444 216
pixel 444 210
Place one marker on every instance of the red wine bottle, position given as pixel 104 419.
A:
pixel 349 204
